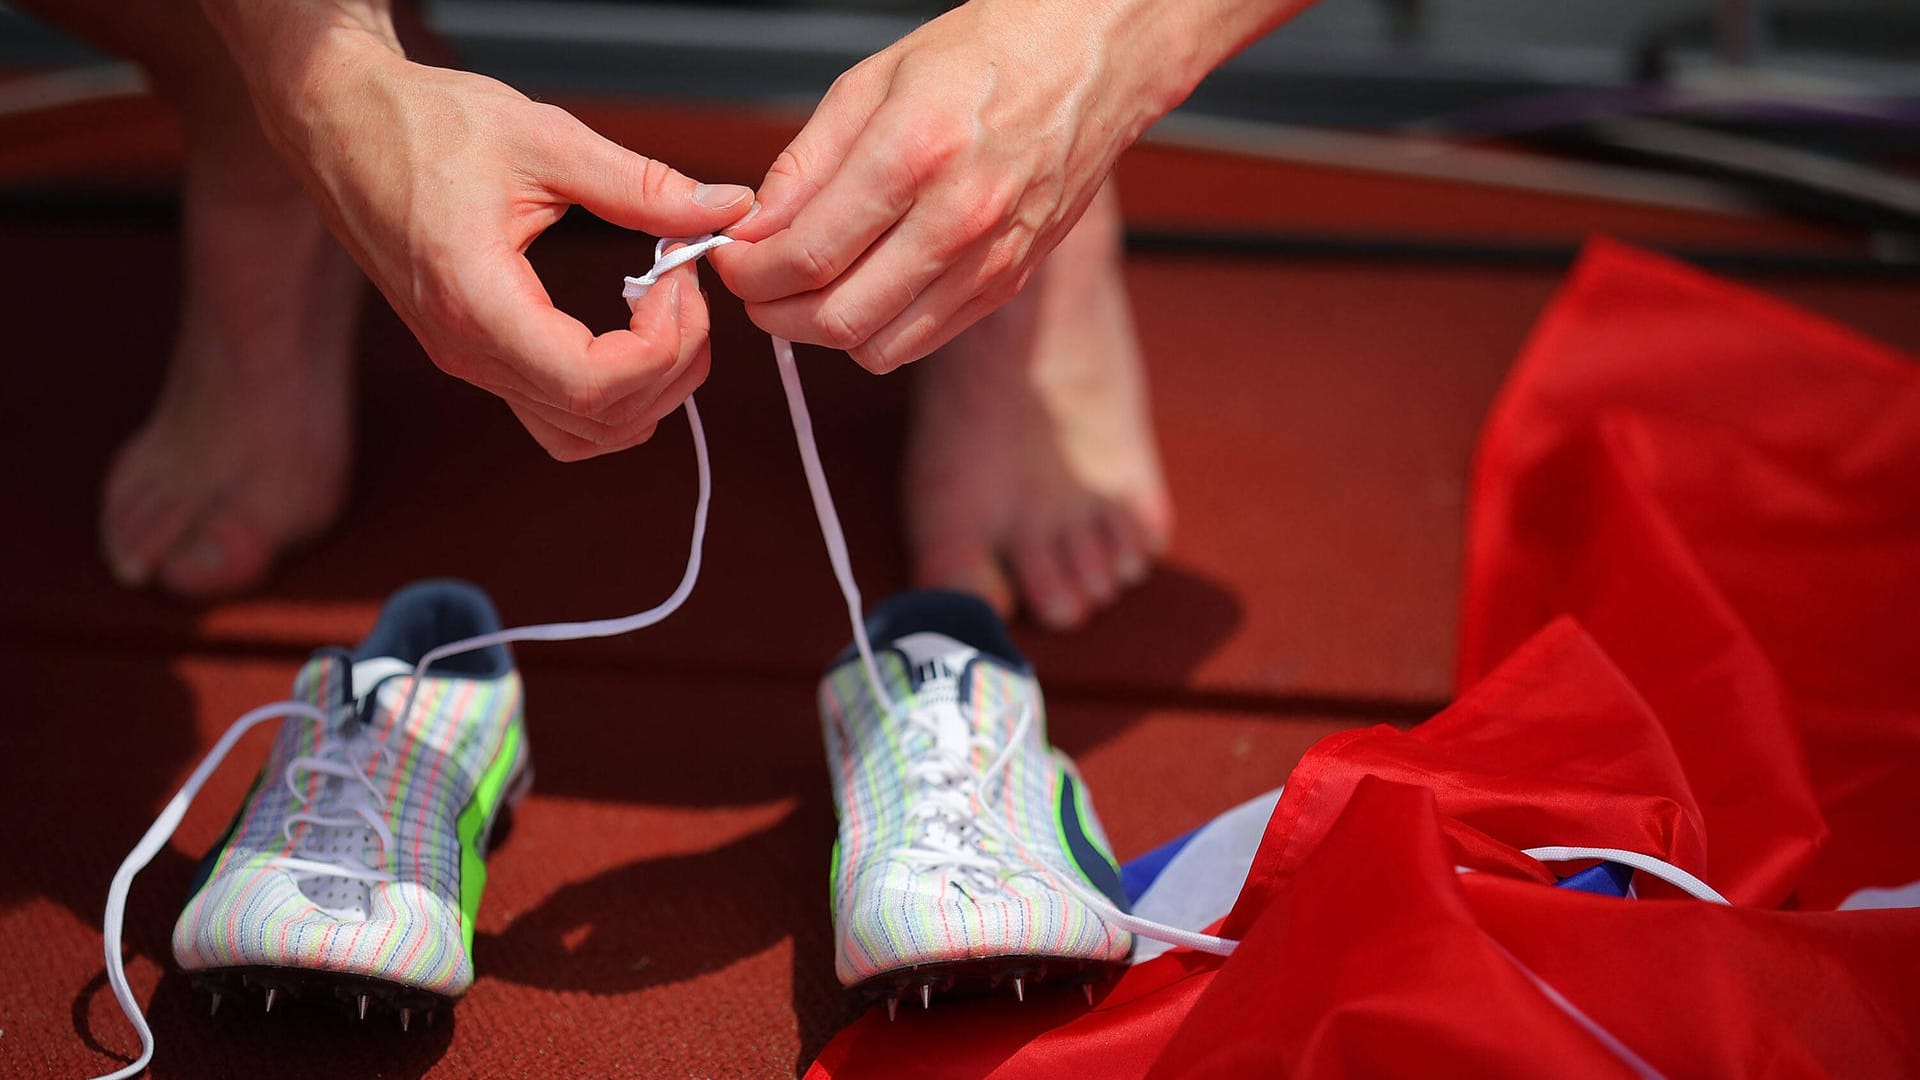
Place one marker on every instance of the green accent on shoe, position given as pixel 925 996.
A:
pixel 478 815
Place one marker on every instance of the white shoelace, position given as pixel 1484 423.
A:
pixel 963 807
pixel 354 804
pixel 949 834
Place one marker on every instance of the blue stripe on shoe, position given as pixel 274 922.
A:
pixel 1093 862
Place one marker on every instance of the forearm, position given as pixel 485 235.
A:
pixel 295 52
pixel 1188 39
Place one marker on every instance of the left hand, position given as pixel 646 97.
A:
pixel 936 174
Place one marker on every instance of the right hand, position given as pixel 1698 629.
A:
pixel 437 181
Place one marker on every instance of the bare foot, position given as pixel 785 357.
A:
pixel 246 451
pixel 1031 458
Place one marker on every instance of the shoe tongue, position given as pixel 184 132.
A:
pixel 934 662
pixel 368 673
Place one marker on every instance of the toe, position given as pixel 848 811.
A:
pixel 221 555
pixel 1047 588
pixel 1127 541
pixel 1152 513
pixel 1090 560
pixel 950 558
pixel 143 517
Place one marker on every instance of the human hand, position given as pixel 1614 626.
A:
pixel 437 181
pixel 935 175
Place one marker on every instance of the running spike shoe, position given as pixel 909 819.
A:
pixel 968 857
pixel 354 869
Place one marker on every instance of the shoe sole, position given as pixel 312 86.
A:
pixel 353 995
pixel 357 995
pixel 1016 975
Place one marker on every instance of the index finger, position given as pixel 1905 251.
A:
pixel 550 357
pixel 874 187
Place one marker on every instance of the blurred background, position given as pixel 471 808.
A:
pixel 1809 108
pixel 1337 249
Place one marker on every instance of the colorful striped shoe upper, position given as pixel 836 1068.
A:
pixel 359 851
pixel 918 877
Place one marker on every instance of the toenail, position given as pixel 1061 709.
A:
pixel 206 555
pixel 128 573
pixel 1058 613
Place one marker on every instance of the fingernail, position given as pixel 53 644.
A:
pixel 673 297
pixel 1130 569
pixel 720 196
pixel 746 217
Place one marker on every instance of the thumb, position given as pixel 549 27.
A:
pixel 637 192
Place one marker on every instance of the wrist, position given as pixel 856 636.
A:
pixel 299 56
pixel 1181 42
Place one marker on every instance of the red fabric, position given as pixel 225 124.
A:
pixel 1692 577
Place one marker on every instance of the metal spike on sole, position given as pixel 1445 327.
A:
pixel 1019 988
pixel 893 1006
pixel 406 1019
pixel 363 1006
pixel 271 994
pixel 214 1009
pixel 926 995
pixel 1087 990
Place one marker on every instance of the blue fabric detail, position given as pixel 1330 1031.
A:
pixel 1601 879
pixel 1093 862
pixel 961 616
pixel 429 613
pixel 1140 872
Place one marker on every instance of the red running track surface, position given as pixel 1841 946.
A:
pixel 660 907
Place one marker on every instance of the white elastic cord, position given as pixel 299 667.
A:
pixel 1004 830
pixel 113 925
pixel 836 540
pixel 1659 868
pixel 823 509
pixel 596 628
pixel 1578 1015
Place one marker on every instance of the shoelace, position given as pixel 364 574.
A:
pixel 976 816
pixel 949 835
pixel 354 803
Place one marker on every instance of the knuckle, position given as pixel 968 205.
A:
pixel 1007 262
pixel 453 362
pixel 1003 289
pixel 856 81
pixel 564 450
pixel 585 399
pixel 879 358
pixel 548 119
pixel 816 266
pixel 654 179
pixel 976 221
pixel 927 150
pixel 1002 273
pixel 838 327
pixel 787 165
pixel 636 435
